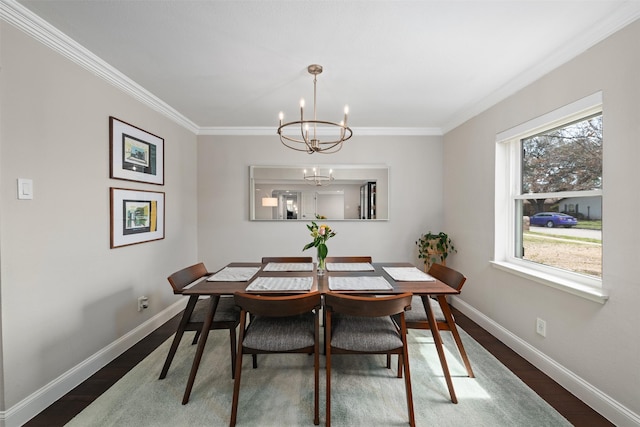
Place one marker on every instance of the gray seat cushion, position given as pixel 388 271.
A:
pixel 280 333
pixel 418 313
pixel 357 333
pixel 227 310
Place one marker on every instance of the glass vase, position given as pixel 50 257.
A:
pixel 321 266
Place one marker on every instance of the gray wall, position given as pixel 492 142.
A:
pixel 65 294
pixel 598 343
pixel 226 234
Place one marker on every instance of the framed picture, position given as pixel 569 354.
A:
pixel 137 216
pixel 135 154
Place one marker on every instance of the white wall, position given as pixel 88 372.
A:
pixel 65 294
pixel 598 343
pixel 226 234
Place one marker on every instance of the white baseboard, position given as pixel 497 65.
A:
pixel 32 405
pixel 602 403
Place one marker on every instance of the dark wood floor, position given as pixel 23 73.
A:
pixel 572 408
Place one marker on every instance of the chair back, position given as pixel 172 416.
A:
pixel 348 259
pixel 182 278
pixel 365 306
pixel 278 306
pixel 267 259
pixel 451 277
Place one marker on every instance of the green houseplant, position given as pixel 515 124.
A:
pixel 434 248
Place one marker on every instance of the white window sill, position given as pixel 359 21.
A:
pixel 591 293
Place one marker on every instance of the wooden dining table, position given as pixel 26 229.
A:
pixel 216 289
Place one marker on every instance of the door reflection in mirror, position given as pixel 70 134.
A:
pixel 356 192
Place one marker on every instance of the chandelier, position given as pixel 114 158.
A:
pixel 317 179
pixel 304 134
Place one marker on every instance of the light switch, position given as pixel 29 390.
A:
pixel 25 189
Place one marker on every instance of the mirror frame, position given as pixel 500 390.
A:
pixel 346 177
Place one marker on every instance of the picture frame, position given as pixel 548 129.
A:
pixel 135 154
pixel 137 216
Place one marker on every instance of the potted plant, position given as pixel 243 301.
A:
pixel 434 248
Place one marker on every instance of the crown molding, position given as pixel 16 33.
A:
pixel 623 16
pixel 25 20
pixel 357 131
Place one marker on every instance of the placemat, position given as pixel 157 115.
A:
pixel 408 274
pixel 349 266
pixel 361 283
pixel 289 266
pixel 234 274
pixel 281 284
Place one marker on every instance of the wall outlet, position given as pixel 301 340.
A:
pixel 541 327
pixel 143 302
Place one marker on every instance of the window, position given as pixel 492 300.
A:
pixel 549 197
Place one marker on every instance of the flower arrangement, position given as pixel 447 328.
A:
pixel 320 236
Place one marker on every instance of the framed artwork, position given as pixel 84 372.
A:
pixel 137 216
pixel 135 154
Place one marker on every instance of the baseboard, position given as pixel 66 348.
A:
pixel 602 403
pixel 32 405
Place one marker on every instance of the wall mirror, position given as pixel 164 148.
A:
pixel 334 192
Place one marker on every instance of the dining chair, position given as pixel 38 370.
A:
pixel 363 325
pixel 227 315
pixel 417 317
pixel 348 259
pixel 279 324
pixel 268 259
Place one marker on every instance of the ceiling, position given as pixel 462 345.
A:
pixel 421 66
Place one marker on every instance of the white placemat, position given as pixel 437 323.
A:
pixel 408 274
pixel 289 266
pixel 234 274
pixel 349 266
pixel 281 284
pixel 361 283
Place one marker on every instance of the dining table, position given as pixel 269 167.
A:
pixel 374 278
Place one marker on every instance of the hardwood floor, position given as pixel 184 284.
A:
pixel 572 408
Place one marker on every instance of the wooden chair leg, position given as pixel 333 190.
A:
pixel 327 353
pixel 232 341
pixel 195 338
pixel 407 383
pixel 316 391
pixel 236 388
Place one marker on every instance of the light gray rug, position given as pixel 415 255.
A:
pixel 280 391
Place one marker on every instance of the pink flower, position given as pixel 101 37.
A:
pixel 322 231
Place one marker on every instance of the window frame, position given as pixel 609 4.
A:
pixel 508 181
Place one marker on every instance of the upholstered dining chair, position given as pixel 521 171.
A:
pixel 227 315
pixel 279 324
pixel 348 259
pixel 363 325
pixel 417 317
pixel 268 259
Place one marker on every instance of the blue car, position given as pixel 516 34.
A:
pixel 553 219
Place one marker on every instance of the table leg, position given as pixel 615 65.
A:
pixel 438 342
pixel 444 305
pixel 186 315
pixel 206 325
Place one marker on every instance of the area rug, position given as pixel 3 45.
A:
pixel 280 391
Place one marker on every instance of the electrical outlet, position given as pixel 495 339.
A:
pixel 143 302
pixel 541 327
